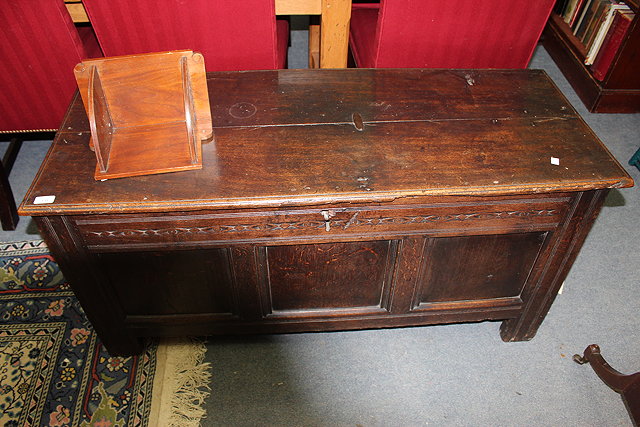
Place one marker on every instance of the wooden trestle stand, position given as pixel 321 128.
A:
pixel 148 113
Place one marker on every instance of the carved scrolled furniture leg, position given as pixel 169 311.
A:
pixel 627 385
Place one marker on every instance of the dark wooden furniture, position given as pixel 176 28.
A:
pixel 147 113
pixel 332 200
pixel 619 92
pixel 627 385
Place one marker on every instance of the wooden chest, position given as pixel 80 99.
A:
pixel 333 200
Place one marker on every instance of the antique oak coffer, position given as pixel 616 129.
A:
pixel 334 200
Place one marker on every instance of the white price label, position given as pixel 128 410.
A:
pixel 42 200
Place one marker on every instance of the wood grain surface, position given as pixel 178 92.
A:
pixel 281 141
pixel 147 113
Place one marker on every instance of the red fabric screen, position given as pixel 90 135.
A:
pixel 448 34
pixel 232 35
pixel 39 46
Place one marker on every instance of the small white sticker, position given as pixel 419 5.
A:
pixel 42 200
pixel 555 161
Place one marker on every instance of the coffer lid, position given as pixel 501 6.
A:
pixel 304 137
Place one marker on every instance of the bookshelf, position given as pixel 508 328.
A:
pixel 619 91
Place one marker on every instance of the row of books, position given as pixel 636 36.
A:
pixel 600 25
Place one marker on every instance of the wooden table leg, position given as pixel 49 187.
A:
pixel 627 385
pixel 565 245
pixel 90 285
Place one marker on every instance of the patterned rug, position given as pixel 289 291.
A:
pixel 54 371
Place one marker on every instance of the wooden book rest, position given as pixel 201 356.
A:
pixel 148 113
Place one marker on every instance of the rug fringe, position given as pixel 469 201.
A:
pixel 181 383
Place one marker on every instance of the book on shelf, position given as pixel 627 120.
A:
pixel 569 10
pixel 587 19
pixel 613 39
pixel 596 21
pixel 576 13
pixel 600 26
pixel 581 14
pixel 603 28
pixel 560 7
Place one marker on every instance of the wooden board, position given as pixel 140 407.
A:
pixel 147 113
pixel 281 140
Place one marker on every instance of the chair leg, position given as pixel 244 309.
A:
pixel 314 45
pixel 627 385
pixel 8 212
